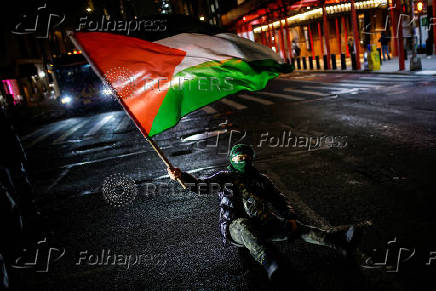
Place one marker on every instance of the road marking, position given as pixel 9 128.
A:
pixel 284 96
pixel 391 79
pixel 305 92
pixel 47 134
pixel 123 124
pixel 337 90
pixel 69 132
pixel 99 125
pixel 27 136
pixel 233 104
pixel 255 99
pixel 299 204
pixel 208 109
pixel 354 85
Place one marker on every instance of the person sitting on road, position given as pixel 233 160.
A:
pixel 253 212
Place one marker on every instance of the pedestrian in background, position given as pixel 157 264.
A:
pixel 384 41
pixel 295 49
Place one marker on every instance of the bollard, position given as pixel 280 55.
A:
pixel 304 63
pixel 343 62
pixel 318 65
pixel 325 62
pixel 353 61
pixel 333 57
pixel 298 63
pixel 311 63
pixel 380 55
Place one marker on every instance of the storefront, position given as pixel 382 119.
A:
pixel 328 31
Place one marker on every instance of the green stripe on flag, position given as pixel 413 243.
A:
pixel 200 85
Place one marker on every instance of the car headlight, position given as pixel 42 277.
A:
pixel 66 99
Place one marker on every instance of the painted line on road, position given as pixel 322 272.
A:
pixel 58 179
pixel 233 104
pixel 209 109
pixel 47 134
pixel 123 124
pixel 350 84
pixel 337 90
pixel 390 79
pixel 35 132
pixel 99 125
pixel 255 99
pixel 299 204
pixel 69 132
pixel 353 85
pixel 307 92
pixel 283 96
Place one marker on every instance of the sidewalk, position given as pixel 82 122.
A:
pixel 389 66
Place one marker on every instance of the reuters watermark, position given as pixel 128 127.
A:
pixel 154 189
pixel 121 190
pixel 123 84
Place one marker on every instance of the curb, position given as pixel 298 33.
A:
pixel 407 73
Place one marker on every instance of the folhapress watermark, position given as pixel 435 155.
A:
pixel 311 143
pixel 394 255
pixel 40 258
pixel 108 257
pixel 107 24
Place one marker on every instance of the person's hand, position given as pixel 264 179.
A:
pixel 292 224
pixel 174 173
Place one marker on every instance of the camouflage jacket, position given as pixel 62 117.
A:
pixel 251 195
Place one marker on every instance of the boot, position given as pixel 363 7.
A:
pixel 271 266
pixel 346 238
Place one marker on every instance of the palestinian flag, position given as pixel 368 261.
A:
pixel 160 82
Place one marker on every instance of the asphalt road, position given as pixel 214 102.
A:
pixel 356 147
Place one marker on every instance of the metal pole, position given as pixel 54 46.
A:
pixel 338 35
pixel 345 35
pixel 288 38
pixel 321 47
pixel 355 34
pixel 434 28
pixel 394 27
pixel 420 31
pixel 326 35
pixel 311 41
pixel 401 64
pixel 282 41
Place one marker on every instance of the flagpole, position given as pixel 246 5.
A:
pixel 153 144
pixel 163 157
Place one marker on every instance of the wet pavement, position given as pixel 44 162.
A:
pixel 343 147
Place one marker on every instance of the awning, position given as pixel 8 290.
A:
pixel 304 3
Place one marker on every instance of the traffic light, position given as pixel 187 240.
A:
pixel 419 6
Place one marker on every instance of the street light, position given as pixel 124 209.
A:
pixel 419 6
pixel 202 18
